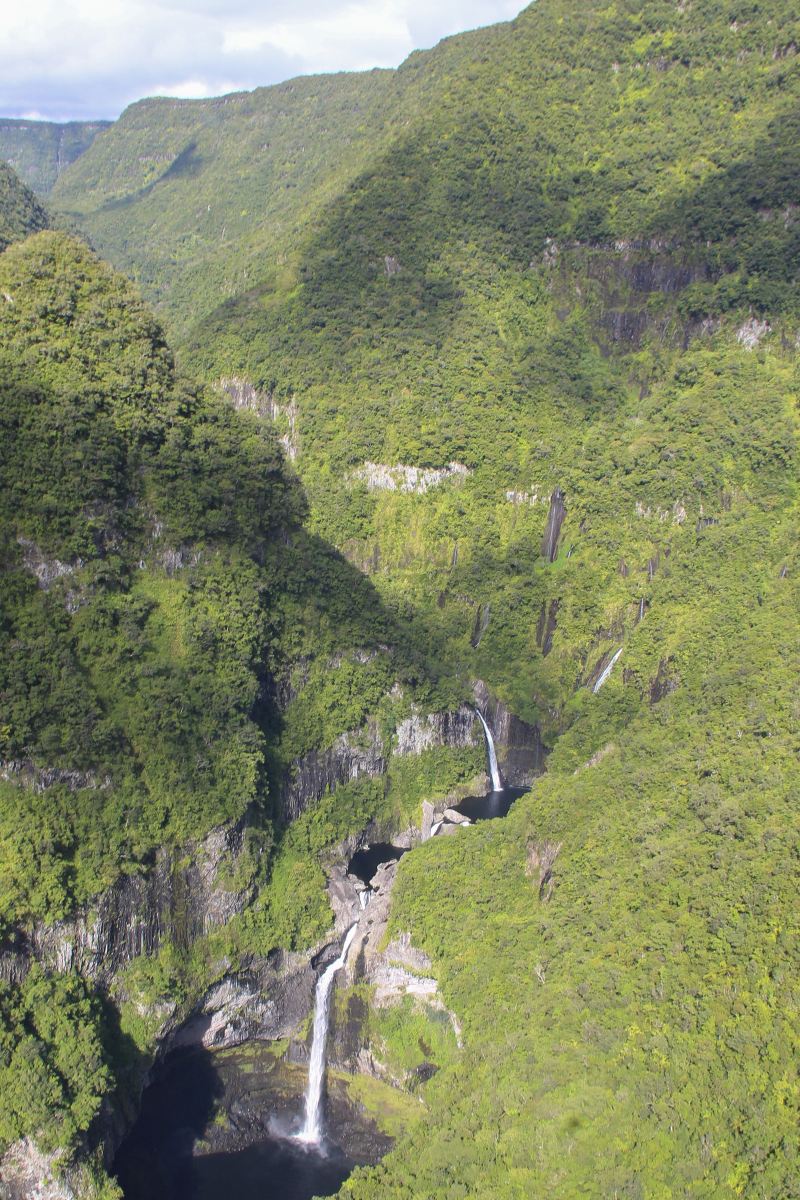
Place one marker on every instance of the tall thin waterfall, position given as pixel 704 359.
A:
pixel 312 1130
pixel 494 770
pixel 606 672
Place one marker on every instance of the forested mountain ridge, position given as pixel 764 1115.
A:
pixel 20 211
pixel 40 150
pixel 529 340
pixel 620 114
pixel 211 186
pixel 510 286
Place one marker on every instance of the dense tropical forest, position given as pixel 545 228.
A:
pixel 39 151
pixel 400 320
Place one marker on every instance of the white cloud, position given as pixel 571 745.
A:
pixel 81 58
pixel 193 89
pixel 353 36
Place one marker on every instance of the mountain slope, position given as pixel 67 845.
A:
pixel 504 286
pixel 574 274
pixel 162 607
pixel 20 211
pixel 188 195
pixel 40 150
pixel 531 345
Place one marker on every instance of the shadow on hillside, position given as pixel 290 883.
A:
pixel 187 163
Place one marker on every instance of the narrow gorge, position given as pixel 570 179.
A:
pixel 278 1142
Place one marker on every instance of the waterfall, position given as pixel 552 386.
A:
pixel 363 897
pixel 494 770
pixel 312 1130
pixel 435 828
pixel 606 672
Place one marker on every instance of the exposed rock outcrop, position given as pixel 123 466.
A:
pixel 677 513
pixel 268 1000
pixel 244 396
pixel 362 753
pixel 527 498
pixel 752 333
pixel 546 626
pixel 404 478
pixel 28 1174
pixel 625 275
pixel 46 570
pixel 552 530
pixel 482 617
pixel 520 750
pixel 394 971
pixel 354 755
pixel 182 896
pixel 26 773
pixel 426 732
pixel 662 684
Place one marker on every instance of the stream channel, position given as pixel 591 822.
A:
pixel 216 1125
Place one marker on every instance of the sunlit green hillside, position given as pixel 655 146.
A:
pixel 546 269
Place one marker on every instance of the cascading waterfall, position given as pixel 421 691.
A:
pixel 606 672
pixel 312 1130
pixel 494 770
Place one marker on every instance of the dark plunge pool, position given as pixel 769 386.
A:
pixel 218 1126
pixel 366 861
pixel 493 804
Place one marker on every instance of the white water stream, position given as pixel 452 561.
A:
pixel 312 1130
pixel 311 1133
pixel 606 672
pixel 494 770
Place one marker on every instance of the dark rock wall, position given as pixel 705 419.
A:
pixel 179 898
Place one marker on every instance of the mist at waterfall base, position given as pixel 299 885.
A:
pixel 182 1148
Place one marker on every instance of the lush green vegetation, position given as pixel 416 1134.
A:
pixel 53 1066
pixel 157 585
pixel 20 211
pixel 146 678
pixel 142 681
pixel 188 196
pixel 562 253
pixel 40 150
pixel 633 1027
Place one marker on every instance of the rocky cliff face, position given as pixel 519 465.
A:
pixel 426 732
pixel 402 478
pixel 27 1174
pixel 552 531
pixel 361 753
pixel 521 752
pixel 354 755
pixel 186 893
pixel 394 970
pixel 183 895
pixel 267 1000
pixel 626 276
pixel 244 396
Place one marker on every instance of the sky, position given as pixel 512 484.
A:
pixel 78 59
